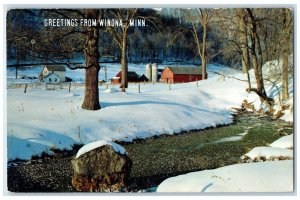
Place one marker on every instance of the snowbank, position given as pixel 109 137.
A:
pixel 271 176
pixel 112 90
pixel 94 145
pixel 288 114
pixel 285 142
pixel 41 118
pixel 269 152
pixel 272 73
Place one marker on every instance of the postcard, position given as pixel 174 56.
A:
pixel 150 100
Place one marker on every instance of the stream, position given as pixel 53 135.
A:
pixel 157 158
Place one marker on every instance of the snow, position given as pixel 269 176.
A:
pixel 245 133
pixel 77 75
pixel 41 118
pixel 269 152
pixel 230 139
pixel 91 146
pixel 285 142
pixel 288 114
pixel 112 69
pixel 272 71
pixel 25 73
pixel 111 90
pixel 270 176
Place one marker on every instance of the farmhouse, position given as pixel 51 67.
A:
pixel 52 78
pixel 131 76
pixel 57 71
pixel 181 74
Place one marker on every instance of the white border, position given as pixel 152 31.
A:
pixel 119 3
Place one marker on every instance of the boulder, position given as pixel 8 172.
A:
pixel 101 170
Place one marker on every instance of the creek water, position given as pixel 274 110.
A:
pixel 155 159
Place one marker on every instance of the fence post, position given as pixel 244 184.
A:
pixel 139 88
pixel 25 89
pixel 169 86
pixel 69 87
pixel 123 89
pixel 106 86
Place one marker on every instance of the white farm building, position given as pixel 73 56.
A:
pixel 53 74
pixel 52 78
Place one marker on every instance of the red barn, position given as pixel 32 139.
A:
pixel 181 74
pixel 131 77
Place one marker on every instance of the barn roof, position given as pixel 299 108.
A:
pixel 143 78
pixel 186 70
pixel 130 74
pixel 51 75
pixel 56 68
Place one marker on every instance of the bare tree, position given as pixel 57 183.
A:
pixel 200 18
pixel 257 61
pixel 120 36
pixel 287 32
pixel 244 43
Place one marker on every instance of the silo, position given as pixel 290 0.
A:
pixel 149 72
pixel 154 72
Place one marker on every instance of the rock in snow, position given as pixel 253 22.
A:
pixel 91 146
pixel 101 166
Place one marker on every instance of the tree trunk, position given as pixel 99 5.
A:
pixel 285 81
pixel 91 94
pixel 257 62
pixel 198 44
pixel 265 38
pixel 17 69
pixel 124 79
pixel 17 59
pixel 260 85
pixel 203 57
pixel 286 49
pixel 244 44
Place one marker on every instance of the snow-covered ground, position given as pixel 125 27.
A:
pixel 41 118
pixel 269 176
pixel 286 142
pixel 269 153
pixel 273 86
pixel 112 70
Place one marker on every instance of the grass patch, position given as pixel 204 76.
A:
pixel 199 150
